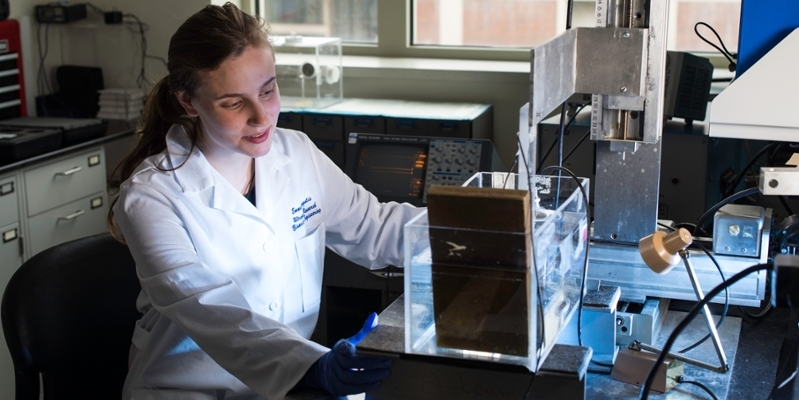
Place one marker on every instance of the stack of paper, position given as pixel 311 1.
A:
pixel 125 104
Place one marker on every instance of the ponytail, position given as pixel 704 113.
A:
pixel 161 111
pixel 201 43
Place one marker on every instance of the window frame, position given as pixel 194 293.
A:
pixel 394 40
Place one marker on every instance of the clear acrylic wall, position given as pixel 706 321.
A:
pixel 491 313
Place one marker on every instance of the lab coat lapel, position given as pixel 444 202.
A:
pixel 270 180
pixel 197 176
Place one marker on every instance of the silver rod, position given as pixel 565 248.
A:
pixel 685 359
pixel 711 325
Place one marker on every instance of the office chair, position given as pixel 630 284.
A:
pixel 68 314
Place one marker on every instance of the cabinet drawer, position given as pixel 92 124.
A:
pixel 364 124
pixel 9 211
pixel 9 253
pixel 10 260
pixel 453 129
pixel 64 181
pixel 323 127
pixel 290 120
pixel 75 220
pixel 406 126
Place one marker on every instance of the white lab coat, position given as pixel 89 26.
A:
pixel 231 292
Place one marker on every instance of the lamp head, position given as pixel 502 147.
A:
pixel 660 250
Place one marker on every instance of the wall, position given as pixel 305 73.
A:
pixel 117 51
pixel 506 91
pixel 114 48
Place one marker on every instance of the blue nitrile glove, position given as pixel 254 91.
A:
pixel 341 372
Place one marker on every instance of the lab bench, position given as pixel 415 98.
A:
pixel 53 198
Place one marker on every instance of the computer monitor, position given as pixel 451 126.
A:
pixel 402 168
pixel 390 167
pixel 763 25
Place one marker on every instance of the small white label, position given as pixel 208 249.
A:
pixel 94 160
pixel 4 46
pixel 9 235
pixel 97 202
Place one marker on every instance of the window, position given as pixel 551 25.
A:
pixel 354 21
pixel 477 29
pixel 529 23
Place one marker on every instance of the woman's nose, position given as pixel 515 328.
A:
pixel 259 115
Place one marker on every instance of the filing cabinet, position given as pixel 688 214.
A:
pixel 10 260
pixel 65 199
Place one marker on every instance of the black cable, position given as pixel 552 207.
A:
pixel 585 260
pixel 582 139
pixel 650 378
pixel 510 170
pixel 551 147
pixel 724 52
pixel 562 130
pixel 530 386
pixel 703 219
pixel 42 74
pixel 540 302
pixel 760 313
pixel 95 8
pixel 785 204
pixel 786 363
pixel 682 379
pixel 726 294
pixel 140 79
pixel 159 59
pixel 745 170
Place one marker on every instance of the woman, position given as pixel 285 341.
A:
pixel 231 280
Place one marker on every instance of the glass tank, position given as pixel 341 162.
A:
pixel 309 71
pixel 491 312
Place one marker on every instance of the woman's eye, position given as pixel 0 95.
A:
pixel 267 92
pixel 232 105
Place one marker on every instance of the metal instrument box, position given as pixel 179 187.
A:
pixel 737 229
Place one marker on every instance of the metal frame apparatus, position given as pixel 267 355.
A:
pixel 621 63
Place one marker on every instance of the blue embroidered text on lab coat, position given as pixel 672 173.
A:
pixel 303 212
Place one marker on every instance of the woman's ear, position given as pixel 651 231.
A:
pixel 185 100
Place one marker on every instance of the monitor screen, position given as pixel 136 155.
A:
pixel 763 25
pixel 392 168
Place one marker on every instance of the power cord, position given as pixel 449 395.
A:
pixel 143 41
pixel 738 178
pixel 787 362
pixel 681 379
pixel 724 52
pixel 650 379
pixel 585 259
pixel 726 294
pixel 706 216
pixel 557 139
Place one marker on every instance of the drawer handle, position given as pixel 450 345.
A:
pixel 72 216
pixel 69 171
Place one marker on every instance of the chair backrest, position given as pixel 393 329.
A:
pixel 68 314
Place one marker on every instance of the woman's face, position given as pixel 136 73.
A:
pixel 238 104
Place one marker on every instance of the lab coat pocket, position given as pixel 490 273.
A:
pixel 140 336
pixel 310 258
